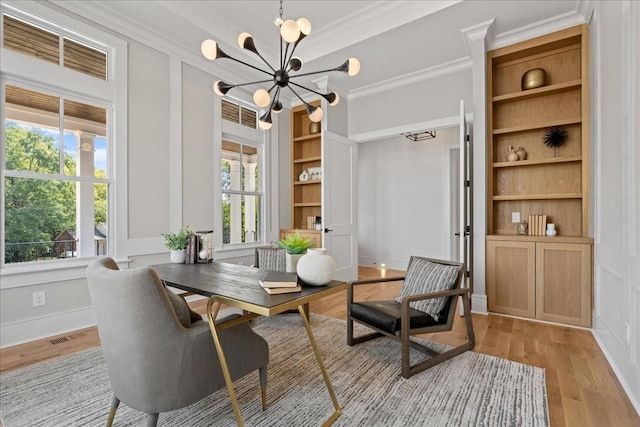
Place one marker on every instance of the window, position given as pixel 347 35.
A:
pixel 57 186
pixel 55 177
pixel 241 193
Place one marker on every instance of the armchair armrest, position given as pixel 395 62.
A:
pixel 430 295
pixel 355 283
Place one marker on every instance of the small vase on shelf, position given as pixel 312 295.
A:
pixel 512 156
pixel 551 229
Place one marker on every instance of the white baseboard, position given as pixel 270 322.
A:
pixel 620 362
pixel 23 331
pixel 479 304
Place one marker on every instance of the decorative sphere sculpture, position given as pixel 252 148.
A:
pixel 316 267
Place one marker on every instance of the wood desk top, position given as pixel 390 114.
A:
pixel 237 285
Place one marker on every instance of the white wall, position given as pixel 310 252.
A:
pixel 615 41
pixel 430 99
pixel 149 142
pixel 403 199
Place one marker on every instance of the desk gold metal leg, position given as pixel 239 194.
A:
pixel 336 405
pixel 223 361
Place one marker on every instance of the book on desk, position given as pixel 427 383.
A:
pixel 276 282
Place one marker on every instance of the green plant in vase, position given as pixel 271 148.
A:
pixel 177 243
pixel 295 244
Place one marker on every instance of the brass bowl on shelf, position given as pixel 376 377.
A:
pixel 533 79
pixel 314 127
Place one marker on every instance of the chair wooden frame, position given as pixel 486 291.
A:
pixel 405 333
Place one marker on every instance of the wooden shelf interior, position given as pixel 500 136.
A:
pixel 306 152
pixel 566 214
pixel 553 182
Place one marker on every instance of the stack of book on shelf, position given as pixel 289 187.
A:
pixel 276 282
pixel 537 225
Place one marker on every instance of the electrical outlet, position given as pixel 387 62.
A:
pixel 38 299
pixel 627 334
pixel 515 216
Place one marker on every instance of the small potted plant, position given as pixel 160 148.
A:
pixel 177 243
pixel 295 245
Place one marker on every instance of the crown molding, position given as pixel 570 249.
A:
pixel 413 77
pixel 377 18
pixel 482 31
pixel 540 28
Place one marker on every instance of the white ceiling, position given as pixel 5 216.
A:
pixel 390 38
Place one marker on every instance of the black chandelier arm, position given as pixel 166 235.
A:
pixel 250 66
pixel 286 52
pixel 253 83
pixel 306 104
pixel 306 88
pixel 287 60
pixel 315 72
pixel 264 60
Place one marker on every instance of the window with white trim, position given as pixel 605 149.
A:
pixel 56 141
pixel 242 196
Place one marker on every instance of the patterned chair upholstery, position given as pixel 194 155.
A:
pixel 271 258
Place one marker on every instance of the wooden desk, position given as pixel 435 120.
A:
pixel 237 286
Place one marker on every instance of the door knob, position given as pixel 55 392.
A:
pixel 326 230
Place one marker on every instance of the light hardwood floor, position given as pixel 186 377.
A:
pixel 581 386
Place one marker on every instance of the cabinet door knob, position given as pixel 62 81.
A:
pixel 326 230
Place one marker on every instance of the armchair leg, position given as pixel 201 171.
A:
pixel 152 420
pixel 115 402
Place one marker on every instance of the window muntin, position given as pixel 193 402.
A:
pixel 241 193
pixel 55 193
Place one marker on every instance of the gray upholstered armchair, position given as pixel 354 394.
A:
pixel 158 359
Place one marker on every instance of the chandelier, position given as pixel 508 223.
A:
pixel 291 34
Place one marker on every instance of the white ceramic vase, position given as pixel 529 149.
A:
pixel 316 267
pixel 291 262
pixel 178 257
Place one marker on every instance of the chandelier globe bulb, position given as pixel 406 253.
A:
pixel 304 26
pixel 333 98
pixel 209 49
pixel 316 115
pixel 241 39
pixel 289 31
pixel 354 67
pixel 295 63
pixel 261 98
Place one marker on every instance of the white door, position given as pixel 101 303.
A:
pixel 339 203
pixel 465 193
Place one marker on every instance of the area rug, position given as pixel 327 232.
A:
pixel 469 390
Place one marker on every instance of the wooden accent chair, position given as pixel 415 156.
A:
pixel 426 304
pixel 159 357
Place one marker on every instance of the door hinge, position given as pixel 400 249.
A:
pixel 467 273
pixel 468 138
pixel 468 183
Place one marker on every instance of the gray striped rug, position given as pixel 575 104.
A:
pixel 469 390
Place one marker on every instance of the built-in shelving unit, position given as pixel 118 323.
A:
pixel 306 196
pixel 538 276
pixel 550 182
